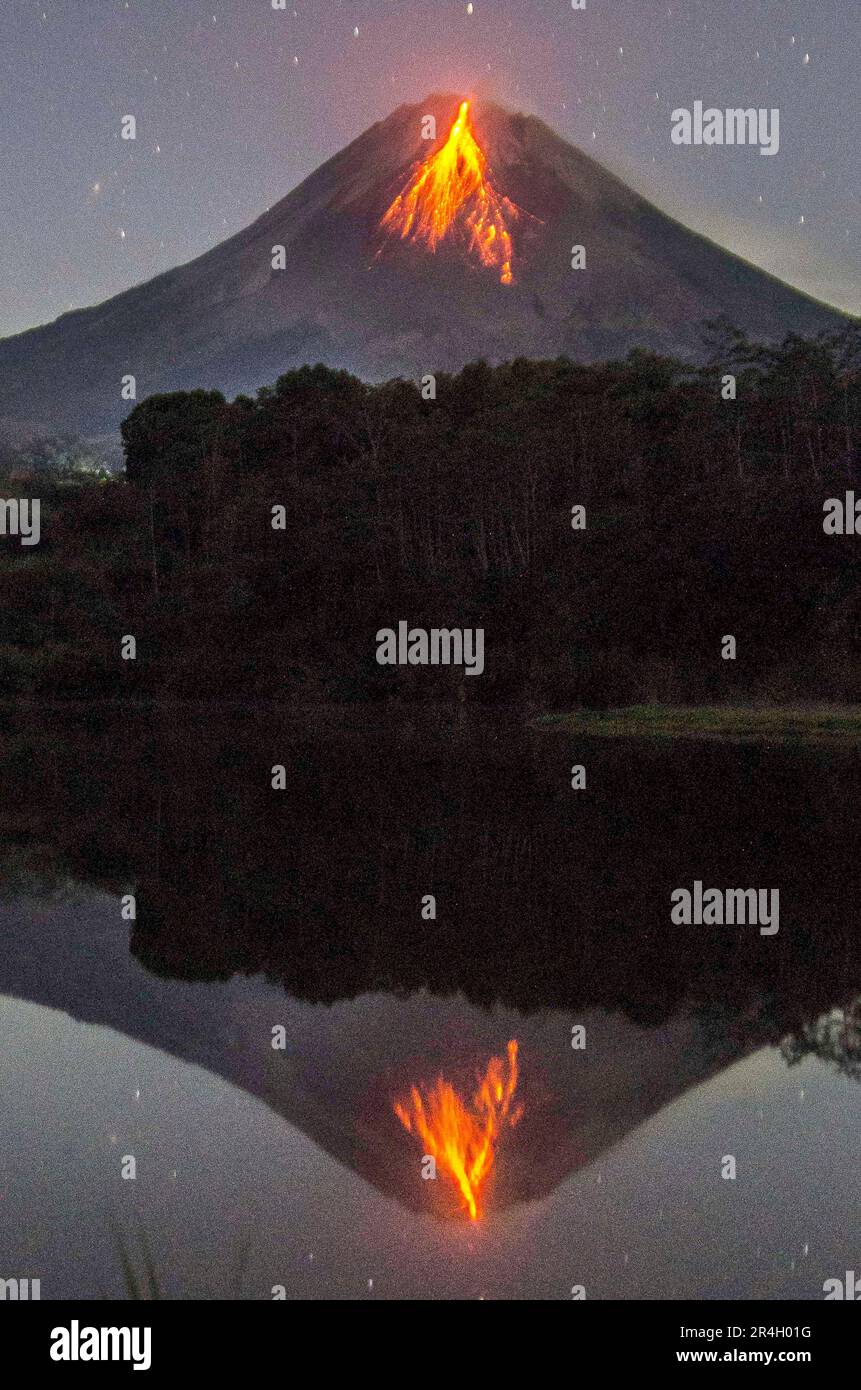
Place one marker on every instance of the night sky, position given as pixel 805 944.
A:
pixel 236 103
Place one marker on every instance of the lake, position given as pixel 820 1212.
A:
pixel 302 914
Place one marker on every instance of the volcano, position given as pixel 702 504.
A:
pixel 405 255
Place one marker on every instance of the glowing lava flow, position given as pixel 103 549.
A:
pixel 463 1141
pixel 450 192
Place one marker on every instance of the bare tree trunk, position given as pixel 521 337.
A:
pixel 154 562
pixel 584 460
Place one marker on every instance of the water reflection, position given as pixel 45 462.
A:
pixel 297 915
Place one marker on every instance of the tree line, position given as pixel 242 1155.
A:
pixel 254 547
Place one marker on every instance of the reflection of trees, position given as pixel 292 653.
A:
pixel 546 898
pixel 834 1037
pixel 33 871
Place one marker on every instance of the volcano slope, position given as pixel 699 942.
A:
pixel 387 288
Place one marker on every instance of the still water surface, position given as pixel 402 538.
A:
pixel 302 909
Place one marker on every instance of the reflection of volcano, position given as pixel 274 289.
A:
pixel 343 1062
pixel 459 1136
pixel 302 911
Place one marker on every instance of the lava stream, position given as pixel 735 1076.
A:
pixel 450 192
pixel 461 1140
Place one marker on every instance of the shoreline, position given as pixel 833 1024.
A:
pixel 800 723
pixel 720 723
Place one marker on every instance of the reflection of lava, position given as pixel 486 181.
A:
pixel 450 191
pixel 463 1141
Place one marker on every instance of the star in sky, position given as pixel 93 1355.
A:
pixel 237 102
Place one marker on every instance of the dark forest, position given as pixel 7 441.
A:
pixel 703 517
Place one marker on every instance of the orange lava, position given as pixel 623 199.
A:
pixel 463 1141
pixel 450 193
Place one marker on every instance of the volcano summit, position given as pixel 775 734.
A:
pixel 450 193
pixel 401 256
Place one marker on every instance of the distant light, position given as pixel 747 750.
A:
pixel 356 32
pixel 806 59
pixel 469 8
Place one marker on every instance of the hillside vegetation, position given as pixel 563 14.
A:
pixel 704 517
